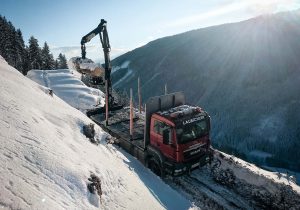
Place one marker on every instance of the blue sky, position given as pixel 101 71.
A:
pixel 131 23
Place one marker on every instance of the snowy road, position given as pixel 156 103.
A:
pixel 248 187
pixel 200 188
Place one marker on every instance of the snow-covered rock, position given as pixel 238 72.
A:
pixel 46 160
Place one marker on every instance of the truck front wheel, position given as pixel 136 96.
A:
pixel 155 166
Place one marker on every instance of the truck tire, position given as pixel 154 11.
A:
pixel 155 166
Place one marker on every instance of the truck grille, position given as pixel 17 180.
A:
pixel 196 152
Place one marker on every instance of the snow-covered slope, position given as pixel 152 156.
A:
pixel 67 85
pixel 46 160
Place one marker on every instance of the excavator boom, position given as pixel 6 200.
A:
pixel 102 31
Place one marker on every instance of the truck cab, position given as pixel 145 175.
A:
pixel 179 138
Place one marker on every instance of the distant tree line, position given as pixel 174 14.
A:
pixel 26 57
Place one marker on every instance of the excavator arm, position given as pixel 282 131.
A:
pixel 102 31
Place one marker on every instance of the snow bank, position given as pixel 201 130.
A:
pixel 46 160
pixel 267 190
pixel 68 87
pixel 255 175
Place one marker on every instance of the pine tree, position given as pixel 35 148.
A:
pixel 9 44
pixel 47 58
pixel 20 47
pixel 3 24
pixel 3 36
pixel 14 51
pixel 35 57
pixel 56 64
pixel 62 61
pixel 26 63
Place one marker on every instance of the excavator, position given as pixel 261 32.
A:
pixel 101 29
pixel 88 67
pixel 170 137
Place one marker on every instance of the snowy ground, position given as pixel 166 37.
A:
pixel 46 160
pixel 67 85
pixel 284 172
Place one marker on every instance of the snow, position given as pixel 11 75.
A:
pixel 232 183
pixel 183 109
pixel 66 85
pixel 126 76
pixel 254 175
pixel 46 160
pixel 282 172
pixel 123 67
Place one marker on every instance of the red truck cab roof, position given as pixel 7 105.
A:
pixel 183 114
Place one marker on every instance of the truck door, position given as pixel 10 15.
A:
pixel 159 129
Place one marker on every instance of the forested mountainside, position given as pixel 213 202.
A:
pixel 245 74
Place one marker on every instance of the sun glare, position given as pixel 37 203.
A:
pixel 271 6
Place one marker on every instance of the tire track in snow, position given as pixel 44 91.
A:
pixel 206 196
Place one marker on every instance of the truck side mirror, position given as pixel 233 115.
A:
pixel 166 136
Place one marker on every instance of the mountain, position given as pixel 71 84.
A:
pixel 245 74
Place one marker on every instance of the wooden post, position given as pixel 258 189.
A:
pixel 106 103
pixel 140 95
pixel 145 126
pixel 131 115
pixel 166 89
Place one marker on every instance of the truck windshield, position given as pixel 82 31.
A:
pixel 192 131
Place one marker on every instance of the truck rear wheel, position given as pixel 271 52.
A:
pixel 155 166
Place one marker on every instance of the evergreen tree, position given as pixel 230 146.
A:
pixel 14 51
pixel 20 47
pixel 11 44
pixel 26 63
pixel 35 57
pixel 56 64
pixel 3 24
pixel 47 58
pixel 62 61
